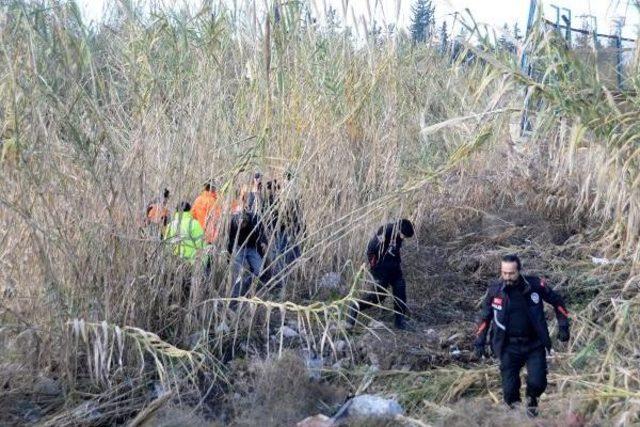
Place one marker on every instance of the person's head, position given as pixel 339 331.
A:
pixel 239 199
pixel 184 207
pixel 510 269
pixel 405 228
pixel 257 181
pixel 402 229
pixel 209 185
pixel 165 194
pixel 244 191
pixel 157 213
pixel 287 176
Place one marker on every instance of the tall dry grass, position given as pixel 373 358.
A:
pixel 97 120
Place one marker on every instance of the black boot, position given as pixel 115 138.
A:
pixel 401 324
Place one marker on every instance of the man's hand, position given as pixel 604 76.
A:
pixel 563 334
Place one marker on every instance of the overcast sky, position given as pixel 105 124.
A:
pixel 494 13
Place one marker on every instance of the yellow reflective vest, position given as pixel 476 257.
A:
pixel 186 235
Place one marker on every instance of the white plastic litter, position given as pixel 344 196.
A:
pixel 606 261
pixel 372 406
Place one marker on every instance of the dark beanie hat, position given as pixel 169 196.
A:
pixel 184 207
pixel 406 228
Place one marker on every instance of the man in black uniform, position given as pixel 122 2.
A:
pixel 383 254
pixel 513 308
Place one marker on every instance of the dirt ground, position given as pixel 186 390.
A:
pixel 447 268
pixel 447 274
pixel 446 279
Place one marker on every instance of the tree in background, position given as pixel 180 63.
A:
pixel 375 32
pixel 517 35
pixel 459 48
pixel 587 40
pixel 391 30
pixel 505 42
pixel 444 36
pixel 582 39
pixel 422 21
pixel 333 22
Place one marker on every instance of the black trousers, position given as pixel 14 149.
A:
pixel 514 357
pixel 394 279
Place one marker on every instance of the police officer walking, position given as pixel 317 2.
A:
pixel 513 308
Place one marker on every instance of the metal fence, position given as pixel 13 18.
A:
pixel 610 54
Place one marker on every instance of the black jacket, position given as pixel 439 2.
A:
pixel 246 231
pixel 494 309
pixel 383 251
pixel 283 215
pixel 291 219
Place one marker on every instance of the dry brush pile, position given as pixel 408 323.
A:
pixel 97 120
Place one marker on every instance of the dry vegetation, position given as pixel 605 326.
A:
pixel 96 121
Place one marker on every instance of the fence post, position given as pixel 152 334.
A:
pixel 619 53
pixel 557 8
pixel 567 34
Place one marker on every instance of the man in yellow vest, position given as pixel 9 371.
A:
pixel 186 236
pixel 185 233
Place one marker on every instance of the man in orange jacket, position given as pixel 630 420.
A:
pixel 207 211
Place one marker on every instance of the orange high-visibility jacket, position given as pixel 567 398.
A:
pixel 207 211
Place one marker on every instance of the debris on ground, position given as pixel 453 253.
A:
pixel 372 406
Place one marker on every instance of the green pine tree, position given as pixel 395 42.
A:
pixel 504 42
pixel 333 22
pixel 422 21
pixel 516 32
pixel 444 36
